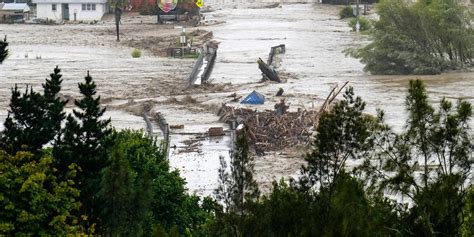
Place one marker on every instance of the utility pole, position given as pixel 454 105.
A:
pixel 357 9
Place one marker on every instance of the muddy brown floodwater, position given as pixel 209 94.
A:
pixel 315 38
pixel 313 63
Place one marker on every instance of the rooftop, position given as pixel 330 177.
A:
pixel 15 7
pixel 69 1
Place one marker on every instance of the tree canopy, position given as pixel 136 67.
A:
pixel 33 201
pixel 426 37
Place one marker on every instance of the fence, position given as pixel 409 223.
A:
pixel 193 75
pixel 165 128
pixel 211 61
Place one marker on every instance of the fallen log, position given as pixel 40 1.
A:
pixel 267 71
pixel 280 92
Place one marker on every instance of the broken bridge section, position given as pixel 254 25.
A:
pixel 203 66
pixel 268 69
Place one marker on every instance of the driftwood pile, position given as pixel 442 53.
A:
pixel 273 130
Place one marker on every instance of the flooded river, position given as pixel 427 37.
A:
pixel 313 64
pixel 315 38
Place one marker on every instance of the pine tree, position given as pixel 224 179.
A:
pixel 24 122
pixel 429 163
pixel 93 129
pixel 83 142
pixel 3 49
pixel 34 119
pixel 54 104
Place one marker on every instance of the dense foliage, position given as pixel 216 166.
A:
pixel 426 37
pixel 138 190
pixel 91 179
pixel 84 143
pixel 33 201
pixel 34 119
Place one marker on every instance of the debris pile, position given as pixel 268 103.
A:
pixel 273 130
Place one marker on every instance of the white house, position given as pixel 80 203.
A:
pixel 71 10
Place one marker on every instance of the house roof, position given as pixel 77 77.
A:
pixel 69 1
pixel 16 7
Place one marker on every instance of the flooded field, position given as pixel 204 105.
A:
pixel 313 63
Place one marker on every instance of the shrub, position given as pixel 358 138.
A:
pixel 363 22
pixel 346 12
pixel 136 53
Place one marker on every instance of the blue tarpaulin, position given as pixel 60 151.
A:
pixel 254 98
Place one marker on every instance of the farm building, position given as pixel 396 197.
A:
pixel 71 10
pixel 13 12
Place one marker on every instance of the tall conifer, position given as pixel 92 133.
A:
pixel 34 119
pixel 83 143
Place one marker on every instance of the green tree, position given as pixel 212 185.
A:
pixel 127 184
pixel 342 133
pixel 118 6
pixel 84 143
pixel 33 201
pixel 34 119
pixel 422 38
pixel 139 191
pixel 122 209
pixel 3 49
pixel 238 188
pixel 54 105
pixel 429 163
pixel 467 229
